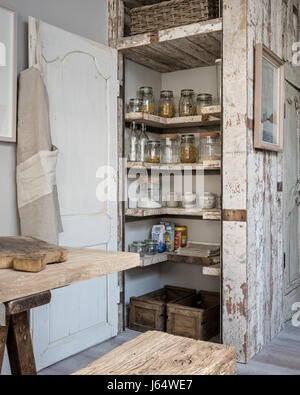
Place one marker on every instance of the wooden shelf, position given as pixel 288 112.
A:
pixel 212 270
pixel 211 265
pixel 154 121
pixel 214 165
pixel 214 214
pixel 178 48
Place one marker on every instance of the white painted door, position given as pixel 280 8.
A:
pixel 81 79
pixel 292 200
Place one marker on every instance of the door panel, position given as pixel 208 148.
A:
pixel 81 79
pixel 291 196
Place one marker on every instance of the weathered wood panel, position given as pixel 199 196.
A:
pixel 270 22
pixel 235 292
pixel 156 353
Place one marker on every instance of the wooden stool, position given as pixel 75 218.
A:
pixel 15 333
pixel 158 353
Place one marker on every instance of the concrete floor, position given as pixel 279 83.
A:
pixel 280 357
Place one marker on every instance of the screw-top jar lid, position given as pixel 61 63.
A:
pixel 187 92
pixel 166 93
pixel 169 137
pixel 187 137
pixel 205 97
pixel 146 90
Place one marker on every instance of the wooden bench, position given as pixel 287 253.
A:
pixel 158 353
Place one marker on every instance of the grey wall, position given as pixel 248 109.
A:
pixel 84 17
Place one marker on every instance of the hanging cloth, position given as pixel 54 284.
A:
pixel 36 162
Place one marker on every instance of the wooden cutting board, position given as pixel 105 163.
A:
pixel 26 248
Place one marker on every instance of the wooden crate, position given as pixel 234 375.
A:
pixel 196 316
pixel 148 312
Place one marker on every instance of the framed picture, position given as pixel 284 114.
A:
pixel 269 100
pixel 8 73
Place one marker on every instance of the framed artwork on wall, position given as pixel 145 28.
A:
pixel 269 100
pixel 8 73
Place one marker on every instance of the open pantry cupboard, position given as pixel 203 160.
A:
pixel 174 59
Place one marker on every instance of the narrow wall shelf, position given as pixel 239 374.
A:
pixel 211 266
pixel 213 165
pixel 154 121
pixel 177 48
pixel 213 214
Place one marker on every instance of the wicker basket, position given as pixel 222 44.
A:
pixel 172 13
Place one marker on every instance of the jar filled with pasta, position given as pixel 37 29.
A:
pixel 188 149
pixel 187 103
pixel 166 104
pixel 204 100
pixel 154 151
pixel 146 94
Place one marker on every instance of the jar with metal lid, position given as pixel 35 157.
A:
pixel 151 247
pixel 153 151
pixel 166 104
pixel 210 147
pixel 134 144
pixel 135 105
pixel 204 100
pixel 146 94
pixel 169 150
pixel 188 149
pixel 187 103
pixel 138 247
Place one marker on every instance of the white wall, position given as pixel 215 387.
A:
pixel 85 17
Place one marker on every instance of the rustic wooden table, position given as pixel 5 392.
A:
pixel 20 292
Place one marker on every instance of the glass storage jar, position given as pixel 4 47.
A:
pixel 169 150
pixel 135 105
pixel 204 100
pixel 153 151
pixel 188 149
pixel 134 144
pixel 143 149
pixel 166 104
pixel 151 247
pixel 210 147
pixel 150 193
pixel 187 103
pixel 138 247
pixel 146 94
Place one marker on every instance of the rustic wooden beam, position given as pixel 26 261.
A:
pixel 29 302
pixel 19 346
pixel 235 215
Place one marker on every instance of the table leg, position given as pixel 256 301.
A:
pixel 3 337
pixel 19 346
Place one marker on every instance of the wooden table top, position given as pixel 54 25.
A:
pixel 158 353
pixel 83 264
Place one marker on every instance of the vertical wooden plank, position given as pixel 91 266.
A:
pixel 3 338
pixel 116 19
pixel 235 79
pixel 19 346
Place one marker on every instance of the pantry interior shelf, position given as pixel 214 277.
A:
pixel 211 265
pixel 177 48
pixel 212 112
pixel 208 165
pixel 212 214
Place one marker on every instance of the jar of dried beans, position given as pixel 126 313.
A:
pixel 146 94
pixel 188 149
pixel 187 103
pixel 166 104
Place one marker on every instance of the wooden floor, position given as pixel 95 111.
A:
pixel 280 357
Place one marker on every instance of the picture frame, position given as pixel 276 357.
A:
pixel 269 100
pixel 8 73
